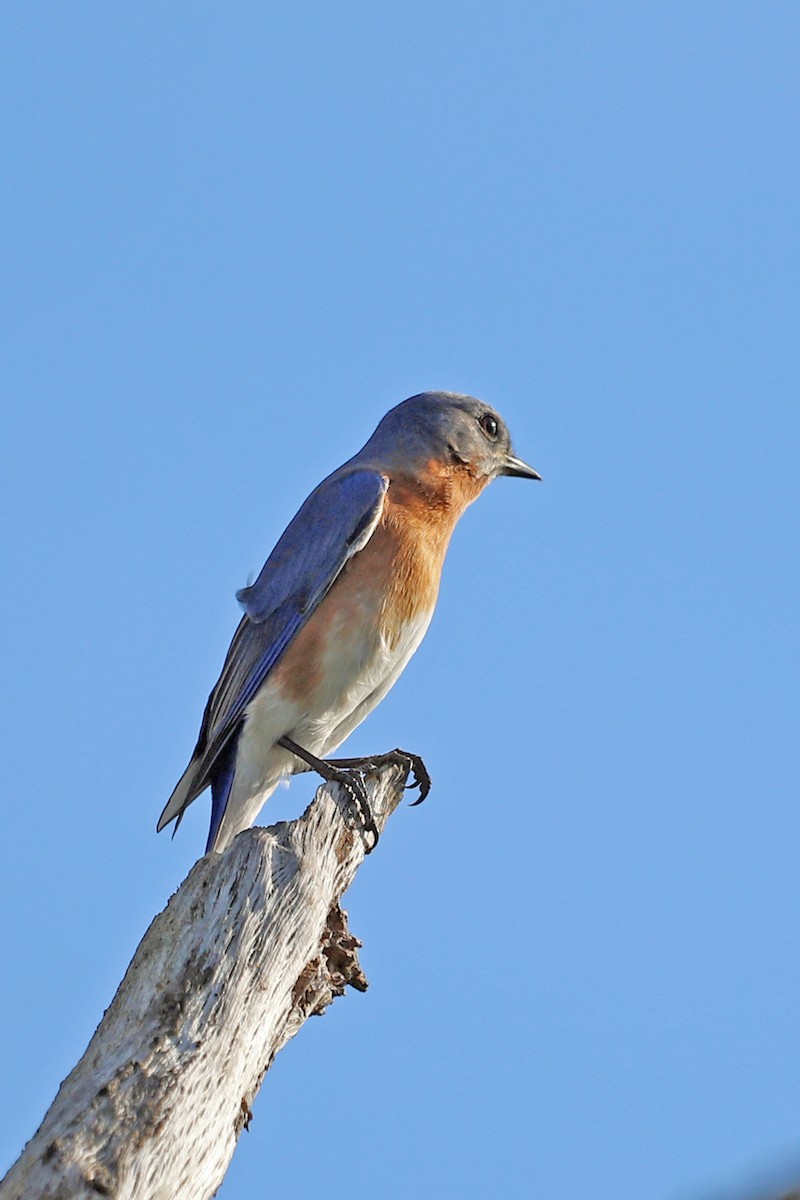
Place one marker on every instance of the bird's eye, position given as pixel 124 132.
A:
pixel 488 424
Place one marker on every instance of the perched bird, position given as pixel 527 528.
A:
pixel 340 606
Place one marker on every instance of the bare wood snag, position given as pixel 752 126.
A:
pixel 253 943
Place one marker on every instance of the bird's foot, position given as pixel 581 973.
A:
pixel 350 778
pixel 412 764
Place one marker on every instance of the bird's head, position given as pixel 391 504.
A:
pixel 455 431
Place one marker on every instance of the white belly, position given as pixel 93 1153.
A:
pixel 358 670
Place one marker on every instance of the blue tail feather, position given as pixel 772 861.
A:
pixel 221 784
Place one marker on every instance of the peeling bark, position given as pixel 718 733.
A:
pixel 252 944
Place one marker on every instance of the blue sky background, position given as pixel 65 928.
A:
pixel 233 236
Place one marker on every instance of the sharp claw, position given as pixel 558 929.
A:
pixel 421 779
pixel 354 785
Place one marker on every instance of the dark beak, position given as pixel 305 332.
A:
pixel 515 466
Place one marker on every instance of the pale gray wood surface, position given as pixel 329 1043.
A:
pixel 252 943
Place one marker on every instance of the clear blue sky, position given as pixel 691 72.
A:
pixel 233 236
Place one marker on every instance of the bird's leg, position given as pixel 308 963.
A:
pixel 411 763
pixel 347 778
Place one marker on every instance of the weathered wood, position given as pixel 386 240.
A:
pixel 252 944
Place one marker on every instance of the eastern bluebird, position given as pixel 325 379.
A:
pixel 340 606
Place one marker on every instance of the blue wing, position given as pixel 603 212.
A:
pixel 336 521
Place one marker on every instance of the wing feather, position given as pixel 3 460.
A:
pixel 336 521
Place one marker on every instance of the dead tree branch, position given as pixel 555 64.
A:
pixel 252 943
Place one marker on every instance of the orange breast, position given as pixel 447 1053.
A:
pixel 392 581
pixel 407 550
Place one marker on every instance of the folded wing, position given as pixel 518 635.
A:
pixel 336 521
